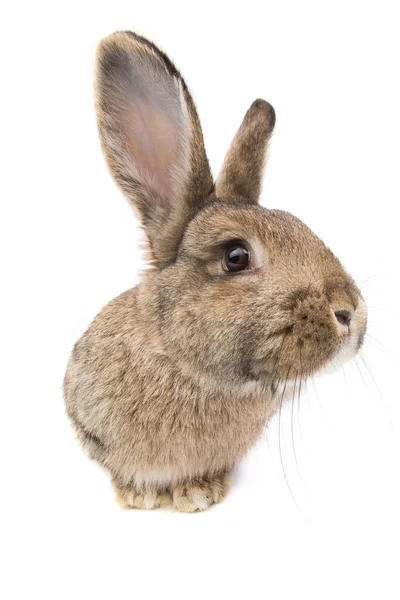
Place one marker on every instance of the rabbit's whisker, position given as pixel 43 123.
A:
pixel 280 442
pixel 380 343
pixel 374 345
pixel 298 418
pixel 369 279
pixel 292 429
pixel 359 370
pixel 298 402
pixel 316 395
pixel 364 360
pixel 367 366
pixel 344 375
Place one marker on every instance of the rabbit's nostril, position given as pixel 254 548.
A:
pixel 343 317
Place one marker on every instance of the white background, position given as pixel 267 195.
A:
pixel 69 243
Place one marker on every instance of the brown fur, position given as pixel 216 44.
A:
pixel 240 177
pixel 174 380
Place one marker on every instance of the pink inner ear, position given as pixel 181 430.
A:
pixel 151 125
pixel 152 144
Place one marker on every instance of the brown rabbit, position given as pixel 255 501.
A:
pixel 175 380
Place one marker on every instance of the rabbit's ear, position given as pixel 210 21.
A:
pixel 241 174
pixel 151 137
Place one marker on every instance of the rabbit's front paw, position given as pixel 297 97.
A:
pixel 198 494
pixel 143 498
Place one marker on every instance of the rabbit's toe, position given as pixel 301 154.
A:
pixel 145 499
pixel 198 494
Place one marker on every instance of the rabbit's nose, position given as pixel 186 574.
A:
pixel 343 317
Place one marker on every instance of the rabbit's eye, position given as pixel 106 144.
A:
pixel 236 258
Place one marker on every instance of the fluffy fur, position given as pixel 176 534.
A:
pixel 175 380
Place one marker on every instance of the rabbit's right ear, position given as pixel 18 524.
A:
pixel 151 137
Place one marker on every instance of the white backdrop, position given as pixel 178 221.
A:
pixel 69 243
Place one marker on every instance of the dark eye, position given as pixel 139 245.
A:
pixel 236 258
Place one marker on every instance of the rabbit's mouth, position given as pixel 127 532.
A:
pixel 352 341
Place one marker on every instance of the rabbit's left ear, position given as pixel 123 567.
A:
pixel 152 139
pixel 241 174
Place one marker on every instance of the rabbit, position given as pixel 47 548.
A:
pixel 176 379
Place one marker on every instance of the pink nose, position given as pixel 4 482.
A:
pixel 343 317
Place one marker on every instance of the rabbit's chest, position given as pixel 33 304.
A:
pixel 191 435
pixel 208 427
